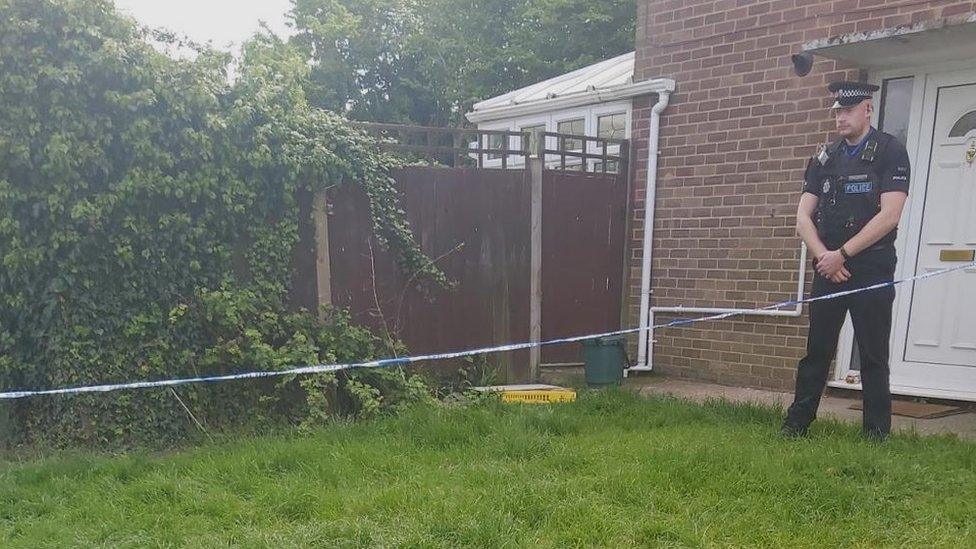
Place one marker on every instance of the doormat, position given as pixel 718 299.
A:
pixel 918 410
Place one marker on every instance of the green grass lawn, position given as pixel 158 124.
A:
pixel 612 469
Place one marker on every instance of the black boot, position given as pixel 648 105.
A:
pixel 792 430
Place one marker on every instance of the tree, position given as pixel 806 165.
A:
pixel 429 61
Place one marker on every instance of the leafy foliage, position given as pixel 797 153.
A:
pixel 148 215
pixel 429 61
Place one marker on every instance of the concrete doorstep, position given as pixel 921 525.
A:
pixel 832 405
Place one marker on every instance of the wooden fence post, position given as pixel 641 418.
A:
pixel 536 165
pixel 323 265
pixel 7 428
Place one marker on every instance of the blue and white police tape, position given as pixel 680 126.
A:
pixel 383 363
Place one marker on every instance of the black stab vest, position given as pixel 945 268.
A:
pixel 851 192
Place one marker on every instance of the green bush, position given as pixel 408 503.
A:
pixel 147 224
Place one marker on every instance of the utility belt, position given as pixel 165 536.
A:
pixel 880 247
pixel 877 248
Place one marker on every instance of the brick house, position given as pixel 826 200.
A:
pixel 734 140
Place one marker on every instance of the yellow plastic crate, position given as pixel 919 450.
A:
pixel 539 397
pixel 532 393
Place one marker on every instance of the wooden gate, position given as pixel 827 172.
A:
pixel 584 219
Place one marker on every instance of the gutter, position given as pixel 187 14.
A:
pixel 588 97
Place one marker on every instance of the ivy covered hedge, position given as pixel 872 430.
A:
pixel 147 221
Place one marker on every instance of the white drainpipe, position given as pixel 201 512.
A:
pixel 645 340
pixel 650 186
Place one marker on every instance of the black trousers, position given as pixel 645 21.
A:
pixel 871 315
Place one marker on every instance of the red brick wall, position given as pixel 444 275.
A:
pixel 734 143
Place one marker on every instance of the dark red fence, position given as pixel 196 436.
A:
pixel 476 225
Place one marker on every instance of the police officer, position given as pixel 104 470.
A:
pixel 853 195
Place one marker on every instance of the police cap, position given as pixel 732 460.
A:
pixel 848 94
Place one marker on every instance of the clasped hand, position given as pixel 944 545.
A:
pixel 830 265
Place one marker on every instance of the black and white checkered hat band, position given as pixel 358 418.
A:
pixel 846 94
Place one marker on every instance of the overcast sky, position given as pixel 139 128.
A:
pixel 224 23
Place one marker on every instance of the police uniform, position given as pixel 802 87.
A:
pixel 848 181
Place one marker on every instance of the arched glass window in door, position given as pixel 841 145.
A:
pixel 964 125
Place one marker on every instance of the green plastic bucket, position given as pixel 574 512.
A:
pixel 604 360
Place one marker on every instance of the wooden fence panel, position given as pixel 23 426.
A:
pixel 476 224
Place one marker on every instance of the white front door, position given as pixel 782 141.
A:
pixel 942 320
pixel 936 348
